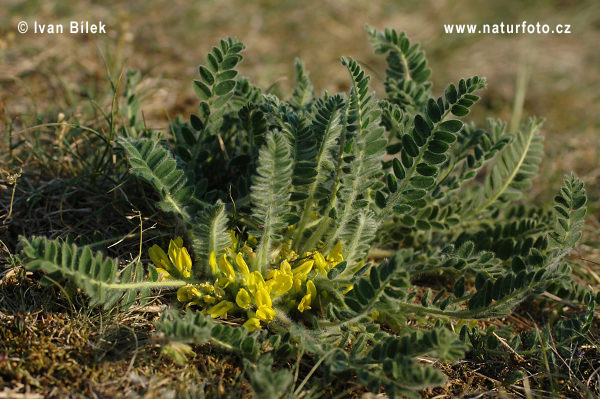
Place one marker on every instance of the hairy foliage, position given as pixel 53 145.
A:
pixel 365 213
pixel 406 77
pixel 209 232
pixel 515 166
pixel 99 276
pixel 362 167
pixel 271 193
pixel 153 163
pixel 304 91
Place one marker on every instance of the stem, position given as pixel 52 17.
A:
pixel 313 369
pixel 147 284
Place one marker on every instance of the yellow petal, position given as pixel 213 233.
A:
pixel 226 268
pixel 186 262
pixel 163 274
pixel 261 296
pixel 349 288
pixel 222 283
pixel 208 287
pixel 252 324
pixel 242 298
pixel 188 293
pixel 297 284
pixel 212 261
pixel 311 289
pixel 281 284
pixel 273 273
pixel 304 303
pixel 320 261
pixel 180 258
pixel 241 264
pixel 265 313
pixel 159 257
pixel 220 309
pixel 302 270
pixel 234 239
pixel 285 267
pixel 254 280
pixel 178 242
pixel 292 255
pixel 336 253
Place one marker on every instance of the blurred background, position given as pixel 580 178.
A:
pixel 44 75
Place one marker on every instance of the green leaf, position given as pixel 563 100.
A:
pixel 201 90
pixel 224 87
pixel 206 75
pixel 210 235
pixel 459 110
pixel 270 193
pixel 148 160
pixel 452 125
pixel 422 181
pixel 303 89
pixel 410 146
pixel 98 276
pixel 398 169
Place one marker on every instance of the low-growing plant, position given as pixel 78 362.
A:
pixel 350 233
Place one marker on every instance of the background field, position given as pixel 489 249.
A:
pixel 45 79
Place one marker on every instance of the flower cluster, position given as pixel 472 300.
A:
pixel 242 288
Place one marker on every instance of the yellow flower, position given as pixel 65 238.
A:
pixel 261 296
pixel 265 313
pixel 285 267
pixel 280 283
pixel 209 299
pixel 177 265
pixel 234 240
pixel 349 288
pixel 335 255
pixel 311 292
pixel 254 280
pixel 252 324
pixel 159 257
pixel 188 293
pixel 242 298
pixel 302 270
pixel 222 283
pixel 304 303
pixel 220 309
pixel 212 261
pixel 180 257
pixel 292 255
pixel 208 287
pixel 321 263
pixel 226 268
pixel 162 263
pixel 247 250
pixel 252 240
pixel 242 265
pixel 311 289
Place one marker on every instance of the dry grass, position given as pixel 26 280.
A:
pixel 53 346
